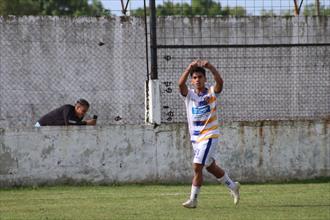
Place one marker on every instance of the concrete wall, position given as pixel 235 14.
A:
pixel 46 62
pixel 260 83
pixel 255 152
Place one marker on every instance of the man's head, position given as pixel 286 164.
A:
pixel 198 77
pixel 81 107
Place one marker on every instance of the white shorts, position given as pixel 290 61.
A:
pixel 204 151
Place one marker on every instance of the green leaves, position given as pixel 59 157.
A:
pixel 53 7
pixel 197 8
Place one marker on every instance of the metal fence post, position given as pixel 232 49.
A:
pixel 153 87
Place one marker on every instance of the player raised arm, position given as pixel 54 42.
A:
pixel 183 79
pixel 218 80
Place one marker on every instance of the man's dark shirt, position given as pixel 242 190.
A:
pixel 63 115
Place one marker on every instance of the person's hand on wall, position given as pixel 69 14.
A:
pixel 91 122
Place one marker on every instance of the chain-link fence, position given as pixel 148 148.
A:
pixel 222 7
pixel 271 83
pixel 50 61
pixel 275 66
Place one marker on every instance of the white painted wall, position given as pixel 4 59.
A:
pixel 141 153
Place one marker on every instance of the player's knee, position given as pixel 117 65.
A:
pixel 198 168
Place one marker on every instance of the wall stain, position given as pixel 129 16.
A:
pixel 309 129
pixel 47 151
pixel 88 152
pixel 261 143
pixel 8 164
pixel 325 150
pixel 273 136
pixel 242 141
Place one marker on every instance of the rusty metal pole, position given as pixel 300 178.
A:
pixel 296 10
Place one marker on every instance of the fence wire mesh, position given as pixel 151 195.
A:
pixel 50 61
pixel 271 83
pixel 275 66
pixel 222 7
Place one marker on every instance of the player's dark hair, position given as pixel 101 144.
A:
pixel 197 70
pixel 83 102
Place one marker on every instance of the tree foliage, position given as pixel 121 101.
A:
pixel 197 7
pixel 267 13
pixel 212 8
pixel 52 7
pixel 310 10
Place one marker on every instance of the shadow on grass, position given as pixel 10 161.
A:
pixel 291 206
pixel 295 181
pixel 272 206
pixel 69 183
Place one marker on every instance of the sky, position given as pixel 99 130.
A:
pixel 253 6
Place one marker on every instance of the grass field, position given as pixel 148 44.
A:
pixel 267 201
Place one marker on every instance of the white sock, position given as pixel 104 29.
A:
pixel 227 181
pixel 194 192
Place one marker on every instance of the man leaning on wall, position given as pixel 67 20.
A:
pixel 67 115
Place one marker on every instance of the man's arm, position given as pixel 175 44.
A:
pixel 218 80
pixel 66 112
pixel 71 119
pixel 90 122
pixel 182 81
pixel 86 122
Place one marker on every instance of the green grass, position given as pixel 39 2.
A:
pixel 266 201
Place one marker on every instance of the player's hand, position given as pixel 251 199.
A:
pixel 91 122
pixel 194 64
pixel 206 64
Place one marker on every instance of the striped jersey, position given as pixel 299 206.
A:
pixel 202 115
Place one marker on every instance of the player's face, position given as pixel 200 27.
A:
pixel 198 80
pixel 80 110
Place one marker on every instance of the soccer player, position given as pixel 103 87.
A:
pixel 201 104
pixel 67 115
